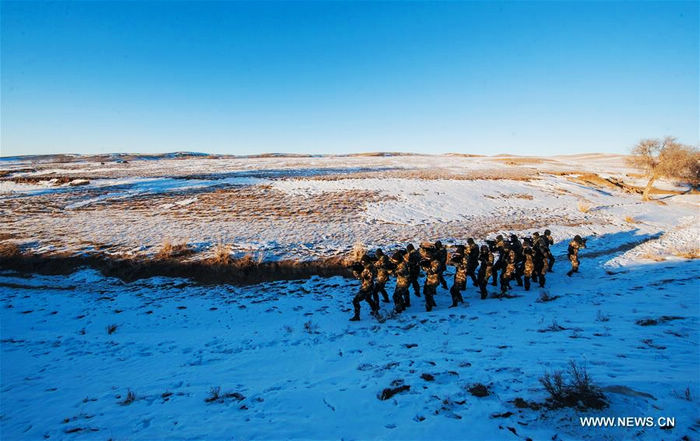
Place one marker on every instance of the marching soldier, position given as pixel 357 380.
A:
pixel 550 241
pixel 499 246
pixel 412 258
pixel 432 280
pixel 528 263
pixel 508 271
pixel 517 248
pixel 574 246
pixel 472 260
pixel 364 271
pixel 441 255
pixel 459 260
pixel 402 298
pixel 485 269
pixel 540 260
pixel 382 267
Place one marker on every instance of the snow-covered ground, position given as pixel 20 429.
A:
pixel 287 362
pixel 304 372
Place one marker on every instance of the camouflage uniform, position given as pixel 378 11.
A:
pixel 365 273
pixel 441 255
pixel 500 247
pixel 574 246
pixel 518 261
pixel 402 298
pixel 550 241
pixel 485 269
pixel 459 260
pixel 508 271
pixel 412 258
pixel 528 264
pixel 432 280
pixel 382 267
pixel 472 260
pixel 541 262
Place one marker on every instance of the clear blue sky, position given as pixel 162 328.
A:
pixel 240 78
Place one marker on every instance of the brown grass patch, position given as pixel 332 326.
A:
pixel 222 254
pixel 631 220
pixel 687 254
pixel 9 249
pixel 168 250
pixel 583 206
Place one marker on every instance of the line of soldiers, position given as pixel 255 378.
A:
pixel 525 261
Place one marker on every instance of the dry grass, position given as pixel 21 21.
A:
pixel 583 206
pixel 687 254
pixel 168 250
pixel 222 254
pixel 9 249
pixel 652 256
pixel 631 220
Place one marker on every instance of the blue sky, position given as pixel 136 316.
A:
pixel 336 77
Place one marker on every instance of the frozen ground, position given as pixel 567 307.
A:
pixel 310 207
pixel 288 363
pixel 304 372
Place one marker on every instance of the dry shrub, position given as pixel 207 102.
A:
pixel 630 219
pixel 651 256
pixel 9 249
pixel 687 254
pixel 169 250
pixel 583 206
pixel 222 254
pixel 576 389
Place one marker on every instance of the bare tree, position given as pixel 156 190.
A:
pixel 666 158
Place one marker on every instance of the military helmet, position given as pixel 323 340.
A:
pixel 460 249
pixel 379 252
pixel 577 238
pixel 470 241
pixel 366 259
pixel 513 237
pixel 484 248
pixel 536 234
pixel 499 237
pixel 410 247
pixel 397 256
pixel 438 244
pixel 547 232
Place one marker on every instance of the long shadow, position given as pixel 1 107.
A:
pixel 612 244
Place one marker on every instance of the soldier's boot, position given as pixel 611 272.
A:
pixel 416 287
pixel 454 293
pixel 356 306
pixel 542 280
pixel 527 283
pixel 495 275
pixel 519 280
pixel 570 273
pixel 443 282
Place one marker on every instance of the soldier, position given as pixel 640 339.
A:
pixel 528 263
pixel 364 271
pixel 499 245
pixel 508 271
pixel 574 246
pixel 402 298
pixel 485 269
pixel 540 259
pixel 412 258
pixel 382 267
pixel 459 260
pixel 550 241
pixel 441 255
pixel 472 260
pixel 517 248
pixel 432 280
